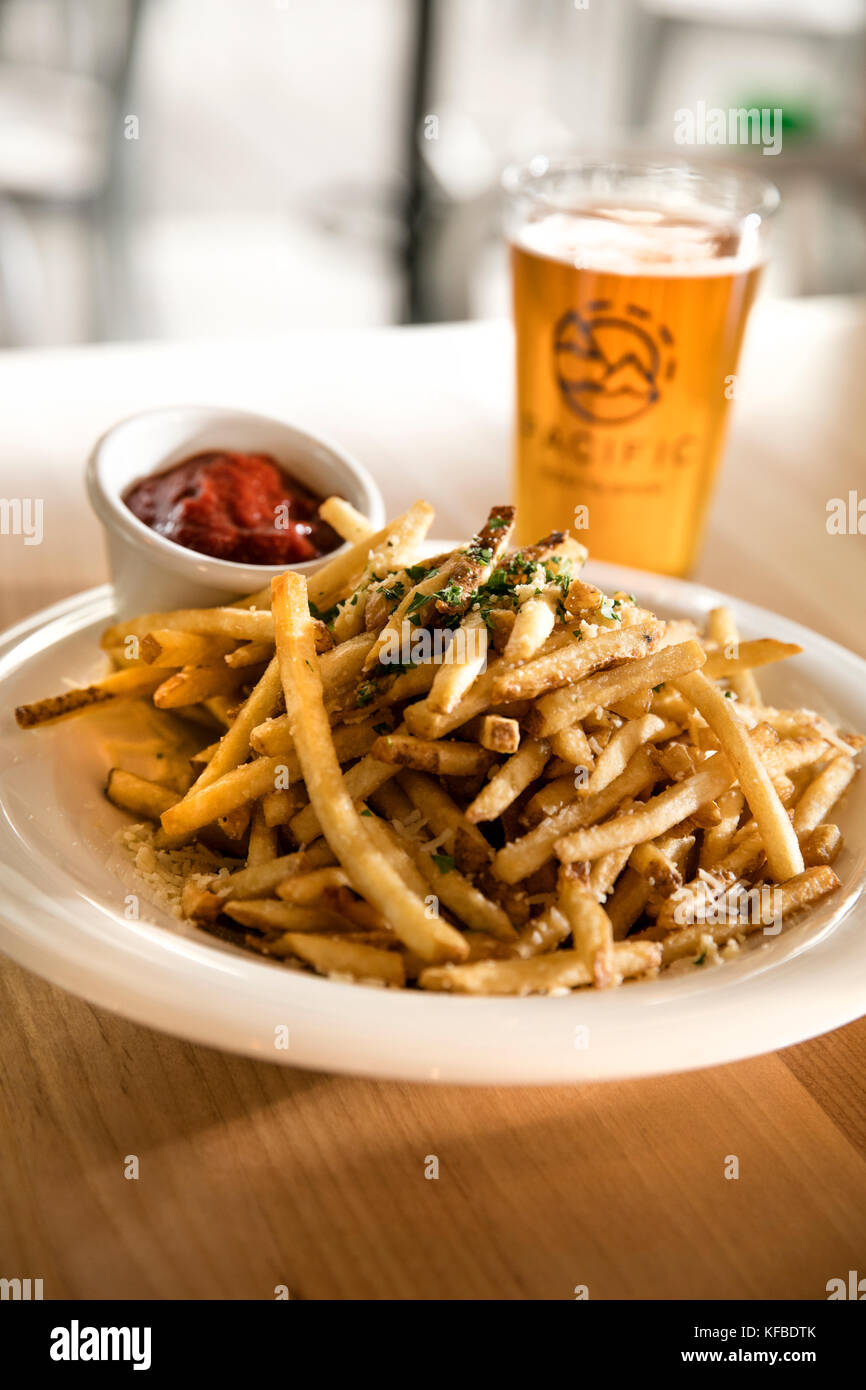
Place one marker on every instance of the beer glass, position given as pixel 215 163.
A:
pixel 633 281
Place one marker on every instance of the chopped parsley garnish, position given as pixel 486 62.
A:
pixel 496 523
pixel 366 813
pixel 413 612
pixel 444 862
pixel 657 688
pixel 382 729
pixel 451 594
pixel 701 959
pixel 365 694
pixel 396 591
pixel 606 609
pixel 418 572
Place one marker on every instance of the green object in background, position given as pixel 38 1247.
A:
pixel 799 121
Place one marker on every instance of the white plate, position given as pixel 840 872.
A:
pixel 62 913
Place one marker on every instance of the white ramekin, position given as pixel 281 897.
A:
pixel 151 573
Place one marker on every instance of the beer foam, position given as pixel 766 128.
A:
pixel 641 240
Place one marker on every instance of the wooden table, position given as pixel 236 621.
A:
pixel 253 1176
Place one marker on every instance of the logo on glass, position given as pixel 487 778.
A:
pixel 610 367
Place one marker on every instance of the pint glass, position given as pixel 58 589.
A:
pixel 632 285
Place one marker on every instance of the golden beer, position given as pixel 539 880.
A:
pixel 629 313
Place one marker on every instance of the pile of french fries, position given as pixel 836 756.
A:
pixel 524 809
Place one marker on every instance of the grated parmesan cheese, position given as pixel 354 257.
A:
pixel 163 872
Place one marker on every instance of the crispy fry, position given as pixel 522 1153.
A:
pixel 495 732
pixel 262 846
pixel 591 930
pixel 244 625
pixel 369 873
pixel 510 780
pixel 561 708
pixel 446 758
pixel 455 677
pixel 821 845
pixel 336 956
pixel 822 794
pixel 167 647
pixel 523 857
pixel 130 684
pixel 569 664
pixel 539 975
pixel 348 523
pixel 650 819
pixel 746 656
pixel 135 794
pixel 193 684
pixel 780 842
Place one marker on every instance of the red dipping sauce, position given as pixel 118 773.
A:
pixel 241 507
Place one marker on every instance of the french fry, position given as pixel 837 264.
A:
pixel 779 839
pixel 627 902
pixel 513 777
pixel 335 956
pixel 618 752
pixel 168 647
pixel 281 807
pixel 532 626
pixel 789 898
pixel 525 856
pixel 131 684
pixel 749 656
pixel 717 840
pixel 244 625
pixel 380 553
pixel 561 708
pixel 722 630
pixel 135 794
pixel 262 846
pixel 343 828
pixel 568 664
pixel 349 524
pixel 266 914
pixel 249 654
pixel 542 934
pixel 495 732
pixel 306 888
pixel 539 975
pixel 573 747
pixel 652 818
pixel 193 684
pixel 821 845
pixel 447 759
pixel 591 930
pixel 443 814
pixel 454 678
pixel 822 794
pixel 202 805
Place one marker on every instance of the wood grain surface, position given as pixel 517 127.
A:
pixel 253 1176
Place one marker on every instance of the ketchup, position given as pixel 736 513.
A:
pixel 241 507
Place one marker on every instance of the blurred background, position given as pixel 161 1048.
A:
pixel 220 168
